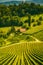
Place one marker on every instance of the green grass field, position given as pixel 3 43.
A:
pixel 22 54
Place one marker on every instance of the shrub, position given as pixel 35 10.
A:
pixel 27 28
pixel 27 37
pixel 39 23
pixel 12 29
pixel 21 23
pixel 37 20
pixel 40 18
pixel 24 26
pixel 26 21
pixel 2 42
pixel 5 36
pixel 34 24
pixel 33 20
pixel 18 30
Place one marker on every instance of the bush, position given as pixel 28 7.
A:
pixel 25 26
pixel 34 24
pixel 2 42
pixel 12 29
pixel 33 20
pixel 5 36
pixel 27 37
pixel 26 21
pixel 21 23
pixel 37 20
pixel 40 18
pixel 39 23
pixel 18 30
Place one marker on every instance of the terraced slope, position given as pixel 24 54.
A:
pixel 30 53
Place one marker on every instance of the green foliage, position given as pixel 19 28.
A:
pixel 40 18
pixel 10 15
pixel 2 42
pixel 14 38
pixel 33 20
pixel 18 32
pixel 12 29
pixel 25 25
pixel 39 23
pixel 29 20
pixel 34 24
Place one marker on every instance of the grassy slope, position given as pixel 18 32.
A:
pixel 5 29
pixel 30 31
pixel 39 35
pixel 35 31
pixel 15 38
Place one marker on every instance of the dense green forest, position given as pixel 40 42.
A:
pixel 10 15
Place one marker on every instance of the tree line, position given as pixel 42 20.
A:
pixel 10 15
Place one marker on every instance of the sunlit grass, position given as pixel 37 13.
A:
pixel 39 35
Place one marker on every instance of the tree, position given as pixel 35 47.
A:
pixel 33 20
pixel 34 24
pixel 38 23
pixel 40 18
pixel 12 29
pixel 29 20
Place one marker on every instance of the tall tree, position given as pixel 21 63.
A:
pixel 29 19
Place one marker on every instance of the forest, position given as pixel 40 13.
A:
pixel 11 15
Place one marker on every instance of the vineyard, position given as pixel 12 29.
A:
pixel 21 33
pixel 30 53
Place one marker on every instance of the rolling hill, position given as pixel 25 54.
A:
pixel 18 2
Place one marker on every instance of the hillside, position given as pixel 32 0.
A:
pixel 21 33
pixel 15 34
pixel 38 1
pixel 11 2
pixel 22 54
pixel 19 2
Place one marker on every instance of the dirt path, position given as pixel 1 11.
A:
pixel 36 40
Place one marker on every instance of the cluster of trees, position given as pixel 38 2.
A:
pixel 37 22
pixel 21 9
pixel 13 21
pixel 10 15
